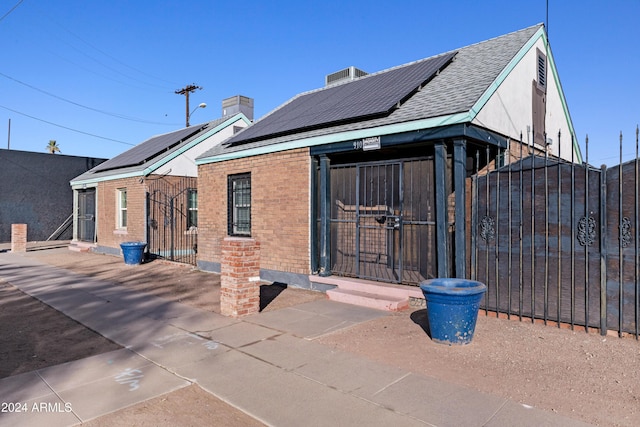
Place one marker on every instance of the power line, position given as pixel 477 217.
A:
pixel 113 58
pixel 110 68
pixel 120 116
pixel 66 127
pixel 145 82
pixel 11 10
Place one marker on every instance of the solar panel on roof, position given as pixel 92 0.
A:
pixel 369 96
pixel 149 149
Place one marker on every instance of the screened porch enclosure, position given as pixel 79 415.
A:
pixel 396 214
pixel 382 224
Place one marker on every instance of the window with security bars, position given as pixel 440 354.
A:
pixel 239 205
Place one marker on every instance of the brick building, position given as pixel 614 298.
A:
pixel 150 192
pixel 280 218
pixel 367 177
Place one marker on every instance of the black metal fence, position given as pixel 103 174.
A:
pixel 559 241
pixel 172 218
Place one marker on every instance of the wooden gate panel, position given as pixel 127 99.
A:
pixel 529 249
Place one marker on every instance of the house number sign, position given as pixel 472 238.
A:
pixel 365 144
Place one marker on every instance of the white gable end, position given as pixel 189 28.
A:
pixel 510 109
pixel 185 164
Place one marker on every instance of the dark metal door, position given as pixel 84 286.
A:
pixel 381 227
pixel 87 215
pixel 379 222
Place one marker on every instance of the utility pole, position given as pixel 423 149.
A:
pixel 186 91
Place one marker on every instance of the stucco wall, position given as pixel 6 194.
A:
pixel 280 209
pixel 185 164
pixel 509 110
pixel 34 189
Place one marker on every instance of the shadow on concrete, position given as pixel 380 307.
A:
pixel 61 313
pixel 37 336
pixel 173 281
pixel 270 292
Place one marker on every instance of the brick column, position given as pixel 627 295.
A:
pixel 18 237
pixel 240 281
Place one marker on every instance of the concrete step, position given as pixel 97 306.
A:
pixel 360 285
pixel 81 246
pixel 366 299
pixel 366 293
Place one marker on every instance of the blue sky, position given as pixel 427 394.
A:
pixel 100 76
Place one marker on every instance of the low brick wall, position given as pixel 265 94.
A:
pixel 240 277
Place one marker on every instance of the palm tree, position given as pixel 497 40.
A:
pixel 53 147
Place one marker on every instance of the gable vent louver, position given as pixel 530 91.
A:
pixel 347 74
pixel 542 70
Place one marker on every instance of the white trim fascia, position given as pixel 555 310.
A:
pixel 82 185
pixel 491 90
pixel 155 166
pixel 198 140
pixel 391 129
pixel 75 184
pixel 493 87
pixel 408 126
pixel 563 100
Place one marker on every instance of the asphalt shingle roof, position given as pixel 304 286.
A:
pixel 156 148
pixel 150 149
pixel 368 97
pixel 454 90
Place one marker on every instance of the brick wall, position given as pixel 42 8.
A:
pixel 280 210
pixel 108 233
pixel 18 237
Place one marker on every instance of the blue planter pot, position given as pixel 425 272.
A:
pixel 133 252
pixel 452 308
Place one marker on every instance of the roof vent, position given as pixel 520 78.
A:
pixel 237 104
pixel 347 74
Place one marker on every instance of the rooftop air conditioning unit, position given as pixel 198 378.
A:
pixel 347 74
pixel 238 104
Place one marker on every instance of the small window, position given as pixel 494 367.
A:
pixel 239 205
pixel 542 70
pixel 122 208
pixel 192 208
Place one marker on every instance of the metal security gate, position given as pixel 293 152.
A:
pixel 172 218
pixel 559 242
pixel 383 221
pixel 87 215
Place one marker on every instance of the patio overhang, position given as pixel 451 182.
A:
pixel 458 131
